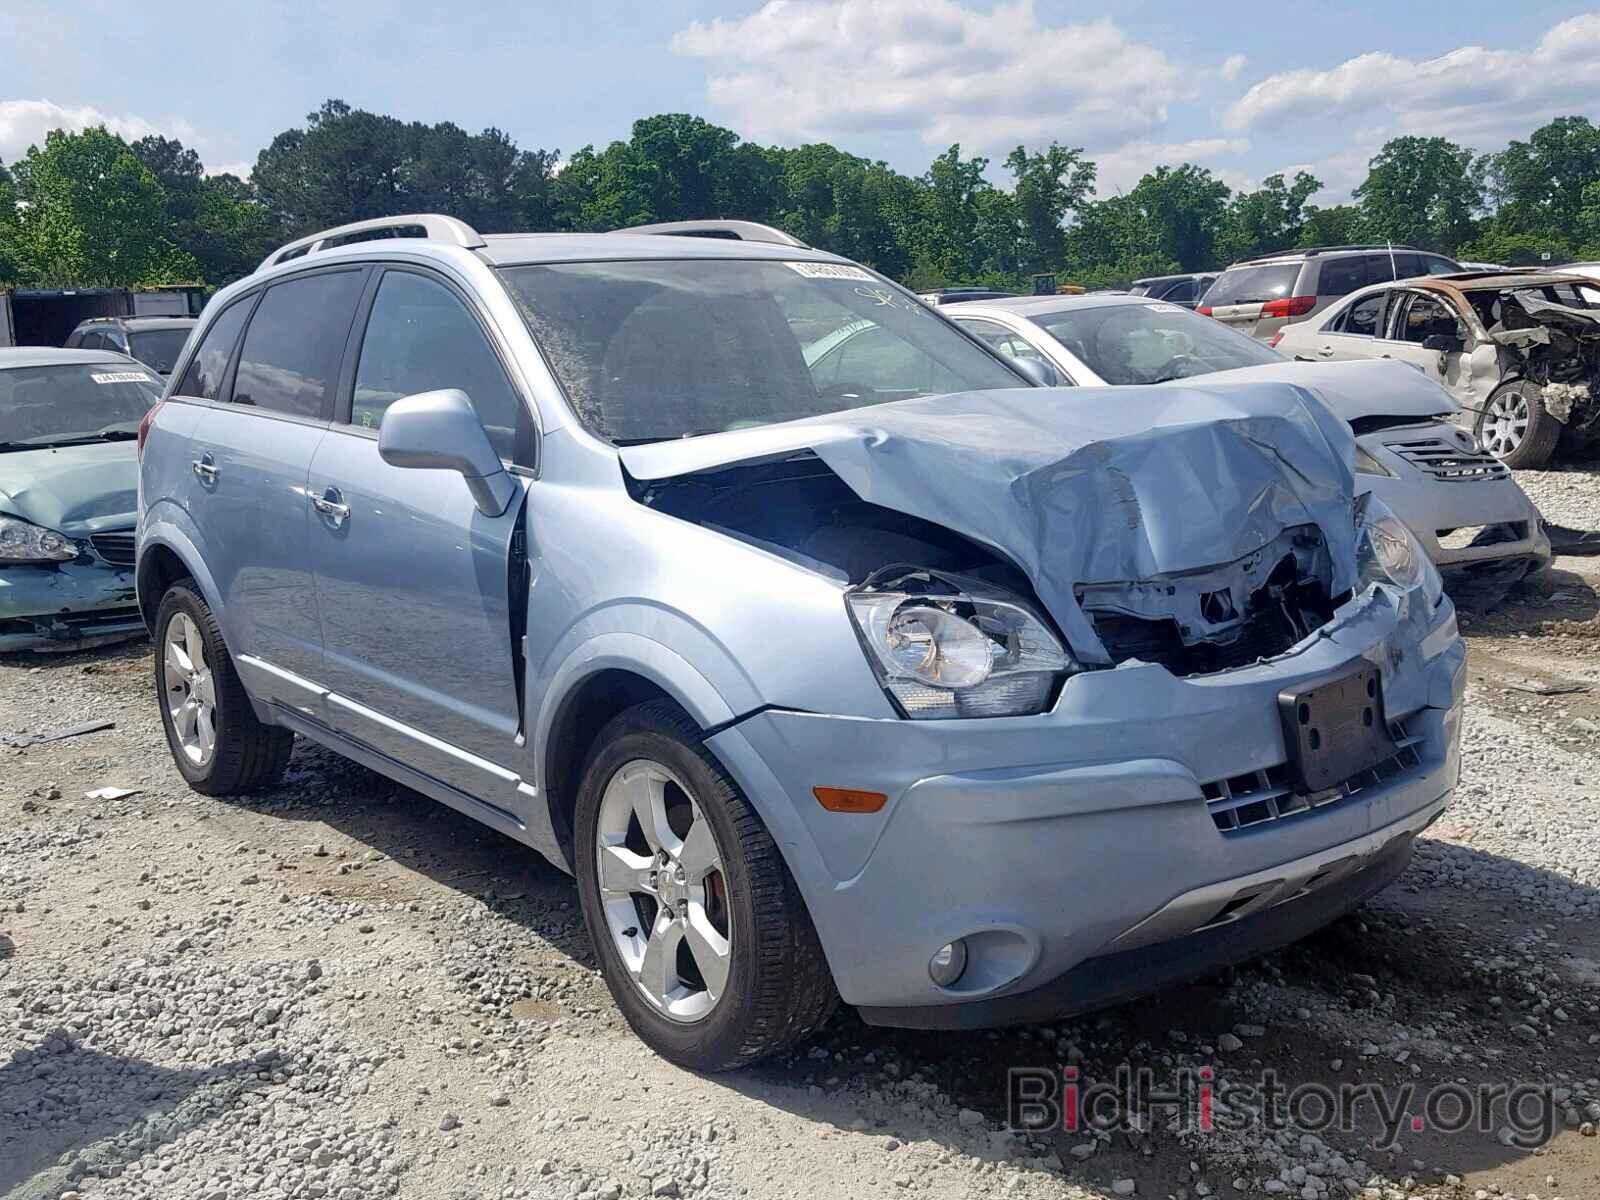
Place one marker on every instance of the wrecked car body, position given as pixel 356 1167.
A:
pixel 1519 351
pixel 1408 454
pixel 68 477
pixel 1001 708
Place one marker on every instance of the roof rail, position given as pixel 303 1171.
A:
pixel 431 226
pixel 738 231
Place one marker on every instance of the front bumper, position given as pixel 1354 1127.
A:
pixel 67 606
pixel 1053 841
pixel 1434 501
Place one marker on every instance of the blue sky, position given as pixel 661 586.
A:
pixel 1244 89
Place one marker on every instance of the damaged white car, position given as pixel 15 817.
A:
pixel 1519 351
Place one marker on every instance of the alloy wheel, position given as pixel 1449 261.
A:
pixel 664 890
pixel 1505 424
pixel 190 693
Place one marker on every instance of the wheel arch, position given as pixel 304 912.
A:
pixel 165 556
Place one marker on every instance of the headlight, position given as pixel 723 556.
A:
pixel 948 646
pixel 1386 552
pixel 21 541
pixel 1367 465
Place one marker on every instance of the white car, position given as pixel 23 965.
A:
pixel 1461 503
pixel 1520 350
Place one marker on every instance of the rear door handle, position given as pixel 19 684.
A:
pixel 332 506
pixel 205 468
pixel 1326 351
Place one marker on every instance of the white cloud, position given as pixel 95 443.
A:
pixel 1233 66
pixel 24 123
pixel 241 169
pixel 1472 93
pixel 798 70
pixel 1120 169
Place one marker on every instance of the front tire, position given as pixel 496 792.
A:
pixel 701 933
pixel 219 746
pixel 1515 427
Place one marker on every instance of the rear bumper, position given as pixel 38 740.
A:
pixel 1054 841
pixel 67 606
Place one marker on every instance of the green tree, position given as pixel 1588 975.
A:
pixel 1421 191
pixel 1049 186
pixel 1184 209
pixel 1335 225
pixel 92 213
pixel 945 243
pixel 1272 217
pixel 1537 186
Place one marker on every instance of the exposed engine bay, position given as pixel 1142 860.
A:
pixel 1196 622
pixel 1555 345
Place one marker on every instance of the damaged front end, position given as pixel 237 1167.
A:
pixel 1556 347
pixel 981 571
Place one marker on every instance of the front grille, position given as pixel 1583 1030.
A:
pixel 1257 797
pixel 1448 461
pixel 115 546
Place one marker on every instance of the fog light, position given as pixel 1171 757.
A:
pixel 948 963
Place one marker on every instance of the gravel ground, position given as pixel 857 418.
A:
pixel 338 989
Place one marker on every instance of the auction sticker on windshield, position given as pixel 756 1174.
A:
pixel 817 270
pixel 122 377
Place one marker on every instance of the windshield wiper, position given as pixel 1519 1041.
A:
pixel 76 439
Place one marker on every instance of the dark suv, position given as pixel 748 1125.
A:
pixel 154 341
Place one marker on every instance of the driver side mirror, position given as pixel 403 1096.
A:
pixel 1444 343
pixel 1039 372
pixel 440 431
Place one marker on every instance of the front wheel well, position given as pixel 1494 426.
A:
pixel 581 717
pixel 159 568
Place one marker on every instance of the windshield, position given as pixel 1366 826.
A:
pixel 47 406
pixel 1252 285
pixel 1151 343
pixel 653 350
pixel 158 348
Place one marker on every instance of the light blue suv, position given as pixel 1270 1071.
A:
pixel 876 675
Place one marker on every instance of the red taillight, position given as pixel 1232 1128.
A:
pixel 1289 306
pixel 144 425
pixel 1275 339
pixel 1203 310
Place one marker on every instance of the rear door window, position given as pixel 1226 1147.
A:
pixel 295 344
pixel 1364 318
pixel 1341 276
pixel 210 362
pixel 421 338
pixel 1181 292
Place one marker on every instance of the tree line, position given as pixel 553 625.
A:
pixel 90 208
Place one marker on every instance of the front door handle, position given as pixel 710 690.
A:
pixel 205 468
pixel 1326 351
pixel 332 506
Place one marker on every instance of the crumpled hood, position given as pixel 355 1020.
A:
pixel 1352 389
pixel 1080 487
pixel 77 490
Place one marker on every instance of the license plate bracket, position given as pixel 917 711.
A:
pixel 1334 729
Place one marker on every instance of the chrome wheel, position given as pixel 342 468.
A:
pixel 190 695
pixel 664 891
pixel 1505 423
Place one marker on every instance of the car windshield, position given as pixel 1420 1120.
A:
pixel 51 406
pixel 158 348
pixel 652 350
pixel 1252 285
pixel 1151 343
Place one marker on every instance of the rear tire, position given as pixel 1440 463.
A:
pixel 1515 427
pixel 218 745
pixel 772 987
